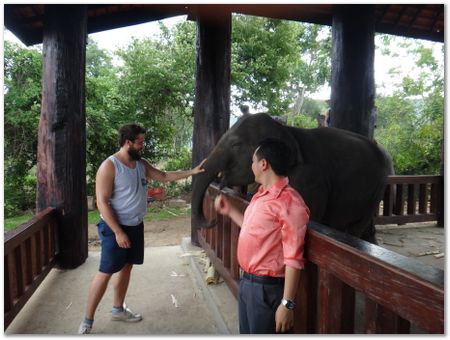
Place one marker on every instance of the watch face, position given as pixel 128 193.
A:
pixel 288 304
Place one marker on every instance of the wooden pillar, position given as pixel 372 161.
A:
pixel 61 171
pixel 441 206
pixel 212 90
pixel 352 74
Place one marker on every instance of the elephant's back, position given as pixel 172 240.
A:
pixel 337 146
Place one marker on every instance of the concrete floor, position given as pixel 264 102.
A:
pixel 57 307
pixel 424 242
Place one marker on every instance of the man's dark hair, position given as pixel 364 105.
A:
pixel 277 153
pixel 130 132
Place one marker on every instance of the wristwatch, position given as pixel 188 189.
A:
pixel 288 304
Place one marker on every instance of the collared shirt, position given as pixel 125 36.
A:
pixel 273 231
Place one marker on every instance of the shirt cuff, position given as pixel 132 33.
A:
pixel 296 264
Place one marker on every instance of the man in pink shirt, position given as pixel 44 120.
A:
pixel 271 243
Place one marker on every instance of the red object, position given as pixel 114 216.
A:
pixel 157 193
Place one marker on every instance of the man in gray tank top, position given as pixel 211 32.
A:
pixel 121 190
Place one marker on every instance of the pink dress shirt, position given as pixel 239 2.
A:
pixel 273 231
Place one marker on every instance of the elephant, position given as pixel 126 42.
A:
pixel 341 175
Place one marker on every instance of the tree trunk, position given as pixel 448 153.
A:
pixel 212 92
pixel 352 76
pixel 61 174
pixel 299 102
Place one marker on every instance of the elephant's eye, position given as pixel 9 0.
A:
pixel 236 145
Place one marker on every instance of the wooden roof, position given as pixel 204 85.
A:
pixel 422 21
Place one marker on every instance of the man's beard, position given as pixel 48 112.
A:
pixel 134 154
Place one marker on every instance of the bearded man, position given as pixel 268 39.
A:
pixel 121 190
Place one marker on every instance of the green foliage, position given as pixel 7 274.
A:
pixel 93 216
pixel 11 223
pixel 156 213
pixel 156 88
pixel 101 136
pixel 410 121
pixel 22 99
pixel 302 121
pixel 183 160
pixel 313 108
pixel 275 61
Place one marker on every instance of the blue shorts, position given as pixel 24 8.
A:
pixel 113 258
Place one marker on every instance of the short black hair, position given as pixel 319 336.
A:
pixel 277 153
pixel 130 132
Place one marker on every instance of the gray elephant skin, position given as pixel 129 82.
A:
pixel 341 175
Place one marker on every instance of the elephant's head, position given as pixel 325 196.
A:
pixel 230 160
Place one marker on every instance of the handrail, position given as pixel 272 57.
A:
pixel 410 199
pixel 30 252
pixel 411 290
pixel 398 291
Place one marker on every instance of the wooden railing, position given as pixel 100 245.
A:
pixel 347 286
pixel 410 199
pixel 30 251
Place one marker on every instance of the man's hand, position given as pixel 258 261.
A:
pixel 284 319
pixel 198 169
pixel 222 205
pixel 122 240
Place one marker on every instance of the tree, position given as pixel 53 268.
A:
pixel 156 88
pixel 277 62
pixel 101 134
pixel 22 96
pixel 410 120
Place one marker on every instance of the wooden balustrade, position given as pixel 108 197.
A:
pixel 410 199
pixel 29 251
pixel 347 286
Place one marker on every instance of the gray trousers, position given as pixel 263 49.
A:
pixel 258 303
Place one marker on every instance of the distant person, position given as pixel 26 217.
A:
pixel 121 190
pixel 271 243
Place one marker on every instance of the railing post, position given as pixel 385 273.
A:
pixel 305 314
pixel 381 320
pixel 337 305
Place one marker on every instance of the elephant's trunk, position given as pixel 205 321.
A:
pixel 200 183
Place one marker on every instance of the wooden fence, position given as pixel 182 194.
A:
pixel 30 251
pixel 347 286
pixel 412 199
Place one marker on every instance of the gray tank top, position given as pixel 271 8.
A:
pixel 129 196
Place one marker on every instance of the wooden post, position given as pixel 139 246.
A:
pixel 440 207
pixel 305 314
pixel 352 74
pixel 212 91
pixel 61 171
